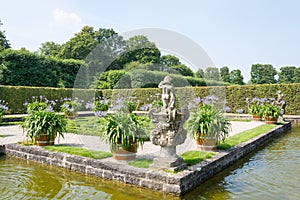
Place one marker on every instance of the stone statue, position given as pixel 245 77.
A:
pixel 281 103
pixel 168 131
pixel 168 97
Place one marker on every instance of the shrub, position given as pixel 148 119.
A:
pixel 24 68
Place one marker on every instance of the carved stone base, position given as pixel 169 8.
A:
pixel 169 160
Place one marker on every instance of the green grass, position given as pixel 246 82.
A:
pixel 189 157
pixel 141 163
pixel 245 135
pixel 194 157
pixel 91 125
pixel 84 126
pixel 240 119
pixel 79 151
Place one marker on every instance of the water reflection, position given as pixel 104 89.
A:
pixel 21 179
pixel 270 173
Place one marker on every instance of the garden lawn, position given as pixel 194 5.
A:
pixel 245 135
pixel 194 157
pixel 79 151
pixel 189 157
pixel 141 163
pixel 91 125
pixel 84 126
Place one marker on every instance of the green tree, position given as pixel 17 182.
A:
pixel 212 73
pixel 183 70
pixel 50 49
pixel 224 73
pixel 199 73
pixel 236 77
pixel 139 48
pixel 80 45
pixel 296 78
pixel 263 74
pixel 169 60
pixel 4 43
pixel 286 74
pixel 112 47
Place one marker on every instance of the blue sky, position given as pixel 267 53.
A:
pixel 236 33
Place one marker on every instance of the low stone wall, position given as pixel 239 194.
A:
pixel 176 184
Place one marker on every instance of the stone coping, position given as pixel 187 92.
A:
pixel 176 184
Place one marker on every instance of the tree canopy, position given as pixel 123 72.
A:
pixel 263 74
pixel 236 77
pixel 212 73
pixel 4 43
pixel 224 73
pixel 286 74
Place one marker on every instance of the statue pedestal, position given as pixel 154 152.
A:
pixel 168 159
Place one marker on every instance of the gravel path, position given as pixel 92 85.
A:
pixel 14 133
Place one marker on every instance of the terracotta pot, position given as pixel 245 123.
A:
pixel 256 118
pixel 72 116
pixel 119 153
pixel 271 120
pixel 44 140
pixel 206 143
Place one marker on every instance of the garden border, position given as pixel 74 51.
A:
pixel 176 184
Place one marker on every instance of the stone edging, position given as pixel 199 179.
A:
pixel 176 184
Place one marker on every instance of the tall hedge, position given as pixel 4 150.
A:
pixel 24 68
pixel 144 78
pixel 235 96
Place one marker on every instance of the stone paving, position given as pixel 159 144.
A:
pixel 14 133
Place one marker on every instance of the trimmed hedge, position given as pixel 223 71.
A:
pixel 234 95
pixel 24 68
pixel 144 78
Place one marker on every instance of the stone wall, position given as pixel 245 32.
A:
pixel 157 180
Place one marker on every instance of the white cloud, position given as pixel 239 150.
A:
pixel 64 17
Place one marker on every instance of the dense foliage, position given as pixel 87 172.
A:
pixel 4 43
pixel 23 68
pixel 235 95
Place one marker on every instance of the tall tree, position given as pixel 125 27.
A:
pixel 80 45
pixel 296 78
pixel 199 73
pixel 236 77
pixel 212 73
pixel 224 72
pixel 4 43
pixel 112 46
pixel 183 70
pixel 169 60
pixel 50 49
pixel 263 74
pixel 139 48
pixel 286 74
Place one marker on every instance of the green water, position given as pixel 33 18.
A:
pixel 21 179
pixel 272 172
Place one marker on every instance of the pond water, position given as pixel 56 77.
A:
pixel 272 172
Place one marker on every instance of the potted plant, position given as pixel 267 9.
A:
pixel 70 108
pixel 42 124
pixel 124 133
pixel 101 105
pixel 271 113
pixel 207 126
pixel 256 108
